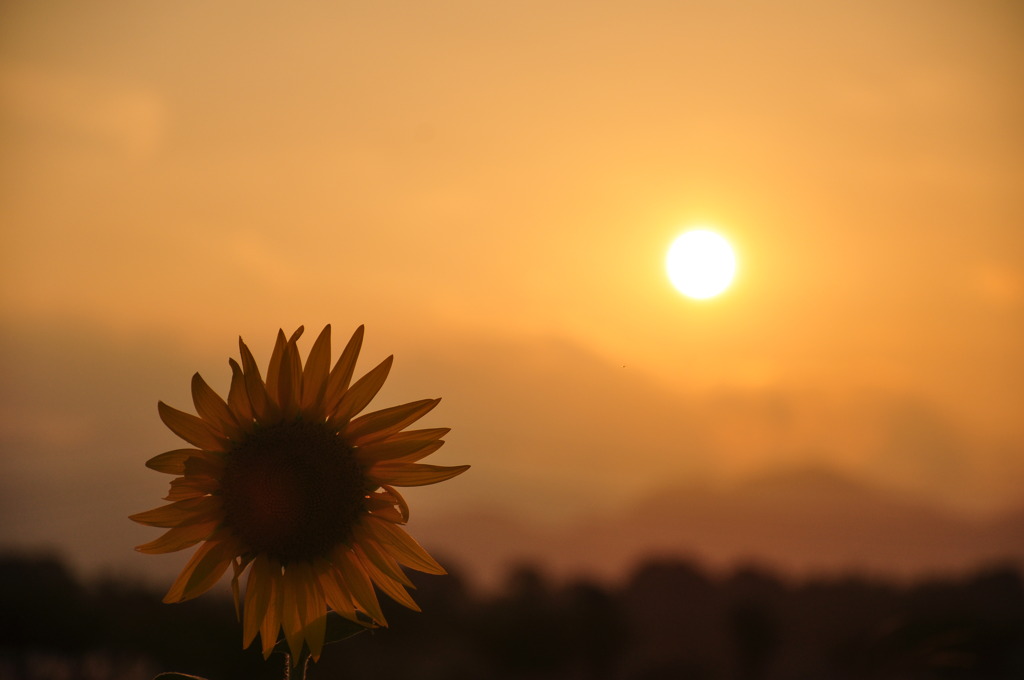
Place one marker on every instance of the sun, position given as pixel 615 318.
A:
pixel 701 264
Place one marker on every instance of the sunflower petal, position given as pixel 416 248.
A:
pixel 296 335
pixel 289 382
pixel 179 538
pixel 419 454
pixel 291 616
pixel 173 462
pixel 212 409
pixel 238 397
pixel 403 506
pixel 335 593
pixel 359 583
pixel 205 466
pixel 406 452
pixel 184 488
pixel 237 566
pixel 412 474
pixel 271 623
pixel 304 613
pixel 259 590
pixel 386 583
pixel 205 568
pixel 181 513
pixel 263 408
pixel 317 371
pixel 190 428
pixel 274 368
pixel 378 425
pixel 316 631
pixel 311 607
pixel 362 392
pixel 376 502
pixel 385 562
pixel 388 514
pixel 341 374
pixel 399 545
pixel 425 435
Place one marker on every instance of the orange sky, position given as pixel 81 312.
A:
pixel 491 189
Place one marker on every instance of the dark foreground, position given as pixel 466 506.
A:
pixel 670 620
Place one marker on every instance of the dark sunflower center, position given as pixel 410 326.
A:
pixel 292 491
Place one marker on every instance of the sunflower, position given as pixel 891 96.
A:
pixel 286 482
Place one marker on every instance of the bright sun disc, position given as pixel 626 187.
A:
pixel 700 264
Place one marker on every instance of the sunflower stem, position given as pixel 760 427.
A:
pixel 302 663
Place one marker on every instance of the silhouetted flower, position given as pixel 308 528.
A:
pixel 284 480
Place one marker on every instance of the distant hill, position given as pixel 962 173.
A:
pixel 806 521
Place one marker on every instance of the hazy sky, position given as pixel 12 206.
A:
pixel 491 188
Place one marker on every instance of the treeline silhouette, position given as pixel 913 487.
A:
pixel 669 620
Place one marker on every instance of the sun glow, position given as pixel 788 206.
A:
pixel 700 264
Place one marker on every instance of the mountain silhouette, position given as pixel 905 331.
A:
pixel 802 521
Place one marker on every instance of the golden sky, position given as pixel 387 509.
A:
pixel 491 188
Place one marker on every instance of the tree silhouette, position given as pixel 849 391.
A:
pixel 670 619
